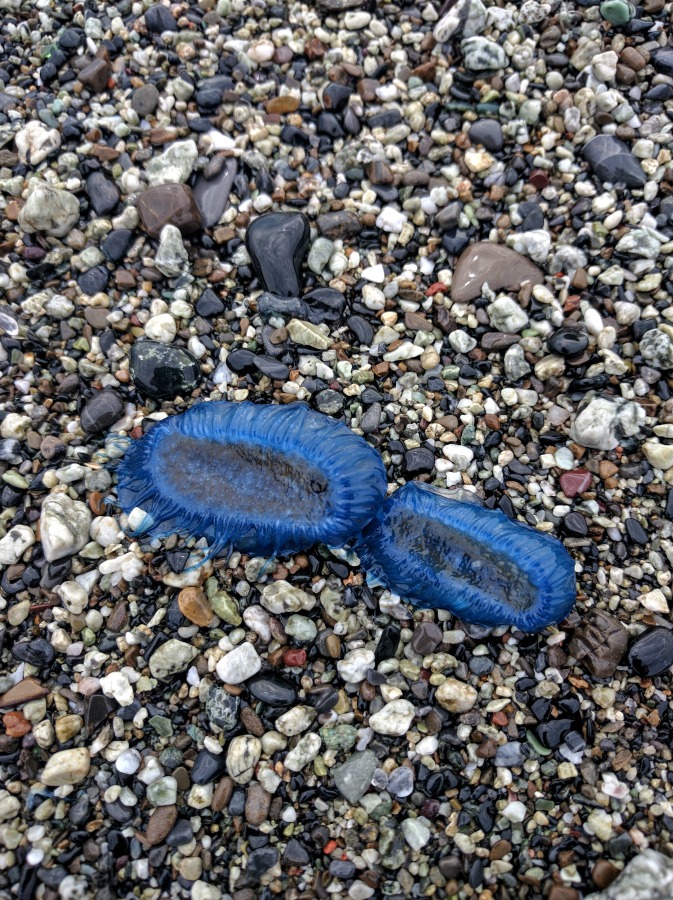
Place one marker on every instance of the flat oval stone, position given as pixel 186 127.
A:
pixel 162 370
pixel 492 264
pixel 100 411
pixel 272 690
pixel 652 652
pixel 568 342
pixel 277 243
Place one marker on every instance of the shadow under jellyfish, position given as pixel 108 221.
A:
pixel 260 479
pixel 443 553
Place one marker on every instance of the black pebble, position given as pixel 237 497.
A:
pixel 652 652
pixel 38 652
pixel 635 532
pixel 162 370
pixel 419 460
pixel 209 304
pixel 568 342
pixel 101 410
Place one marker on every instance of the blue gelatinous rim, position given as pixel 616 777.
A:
pixel 546 563
pixel 352 467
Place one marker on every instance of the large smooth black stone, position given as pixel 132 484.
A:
pixel 568 342
pixel 277 243
pixel 662 60
pixel 611 160
pixel 162 371
pixel 652 652
pixel 100 411
pixel 272 690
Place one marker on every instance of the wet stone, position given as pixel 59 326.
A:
pixel 100 411
pixel 37 652
pixel 207 767
pixel 163 371
pixel 353 777
pixel 212 194
pixel 169 204
pixel 103 194
pixel 95 76
pixel 145 100
pixel 418 461
pixel 340 225
pixel 272 690
pixel 209 304
pixel 492 264
pixel 568 342
pixel 575 483
pixel 612 161
pixel 278 243
pixel 426 638
pixel 158 18
pixel 652 652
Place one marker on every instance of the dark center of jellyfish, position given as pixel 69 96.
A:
pixel 245 479
pixel 477 564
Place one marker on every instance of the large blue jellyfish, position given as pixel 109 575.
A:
pixel 442 553
pixel 261 479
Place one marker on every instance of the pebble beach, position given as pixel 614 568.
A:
pixel 464 216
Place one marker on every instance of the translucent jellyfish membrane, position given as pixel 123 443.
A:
pixel 261 479
pixel 441 553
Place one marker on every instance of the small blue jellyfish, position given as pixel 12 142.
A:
pixel 261 479
pixel 442 553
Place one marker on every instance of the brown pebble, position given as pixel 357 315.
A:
pixel 561 892
pixel 181 775
pixel 333 645
pixel 222 794
pixel 251 721
pixel 257 802
pixel 194 605
pixel 159 826
pixel 500 849
pixel 604 873
pixel 118 618
pixel 26 690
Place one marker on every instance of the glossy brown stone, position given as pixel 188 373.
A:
pixel 492 264
pixel 169 204
pixel 23 692
pixel 599 644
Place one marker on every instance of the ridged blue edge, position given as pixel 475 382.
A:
pixel 353 469
pixel 544 560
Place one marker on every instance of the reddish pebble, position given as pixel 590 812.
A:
pixel 435 289
pixel 576 482
pixel 294 657
pixel 330 847
pixel 500 718
pixel 538 179
pixel 16 724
